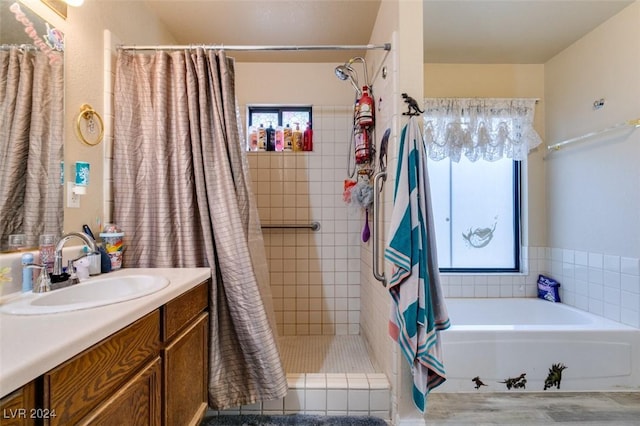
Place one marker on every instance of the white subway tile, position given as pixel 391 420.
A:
pixel 337 400
pixel 630 265
pixel 630 301
pixel 630 283
pixel 275 406
pixel 596 307
pixel 596 275
pixel 468 291
pixel 630 317
pixel 611 263
pixel 581 258
pixel 568 256
pixel 379 400
pixel 612 311
pixel 611 279
pixel 581 273
pixel 251 408
pixel 612 296
pixel 358 400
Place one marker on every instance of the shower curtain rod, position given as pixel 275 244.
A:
pixel 385 46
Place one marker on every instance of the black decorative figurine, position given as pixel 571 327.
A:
pixel 555 376
pixel 478 382
pixel 517 382
pixel 413 108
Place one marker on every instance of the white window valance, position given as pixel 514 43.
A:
pixel 479 128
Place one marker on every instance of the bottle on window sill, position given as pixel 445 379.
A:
pixel 288 138
pixel 271 138
pixel 308 138
pixel 298 142
pixel 262 138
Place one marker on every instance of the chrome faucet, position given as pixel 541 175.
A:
pixel 43 283
pixel 57 260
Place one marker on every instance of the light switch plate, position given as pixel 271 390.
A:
pixel 73 200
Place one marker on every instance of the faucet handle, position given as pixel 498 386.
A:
pixel 71 270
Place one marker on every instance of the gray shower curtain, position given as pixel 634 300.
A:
pixel 182 196
pixel 31 135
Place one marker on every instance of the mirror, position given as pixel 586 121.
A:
pixel 31 127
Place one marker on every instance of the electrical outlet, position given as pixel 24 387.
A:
pixel 73 200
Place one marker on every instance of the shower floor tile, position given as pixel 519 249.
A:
pixel 325 354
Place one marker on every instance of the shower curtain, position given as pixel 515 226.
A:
pixel 182 197
pixel 31 134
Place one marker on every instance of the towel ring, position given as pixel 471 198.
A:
pixel 87 113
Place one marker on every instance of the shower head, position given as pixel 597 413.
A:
pixel 343 71
pixel 346 72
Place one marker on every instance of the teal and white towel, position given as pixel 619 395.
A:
pixel 418 310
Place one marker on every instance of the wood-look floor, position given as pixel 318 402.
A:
pixel 601 408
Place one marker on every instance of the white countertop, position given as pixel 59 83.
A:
pixel 32 345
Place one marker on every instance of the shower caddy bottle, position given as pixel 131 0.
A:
pixel 262 138
pixel 365 109
pixel 253 139
pixel 297 139
pixel 288 138
pixel 271 138
pixel 279 138
pixel 308 138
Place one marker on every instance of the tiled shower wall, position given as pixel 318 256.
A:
pixel 315 276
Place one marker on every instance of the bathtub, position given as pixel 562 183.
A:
pixel 497 340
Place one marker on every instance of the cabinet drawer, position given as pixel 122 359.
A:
pixel 77 386
pixel 183 310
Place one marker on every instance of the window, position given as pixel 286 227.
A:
pixel 476 208
pixel 279 116
pixel 475 148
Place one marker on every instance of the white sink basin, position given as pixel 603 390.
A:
pixel 89 294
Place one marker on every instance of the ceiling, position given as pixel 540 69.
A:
pixel 455 31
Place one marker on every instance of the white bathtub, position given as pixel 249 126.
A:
pixel 499 339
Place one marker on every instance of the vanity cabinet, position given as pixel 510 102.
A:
pixel 185 355
pixel 19 407
pixel 153 372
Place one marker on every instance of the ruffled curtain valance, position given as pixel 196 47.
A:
pixel 479 128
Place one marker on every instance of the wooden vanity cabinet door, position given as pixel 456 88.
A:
pixel 81 384
pixel 137 403
pixel 19 407
pixel 186 374
pixel 185 328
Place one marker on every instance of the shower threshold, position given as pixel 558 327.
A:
pixel 327 375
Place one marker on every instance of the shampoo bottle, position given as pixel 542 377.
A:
pixel 288 138
pixel 262 138
pixel 308 138
pixel 297 139
pixel 279 138
pixel 253 139
pixel 271 138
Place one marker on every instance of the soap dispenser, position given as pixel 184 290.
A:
pixel 27 273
